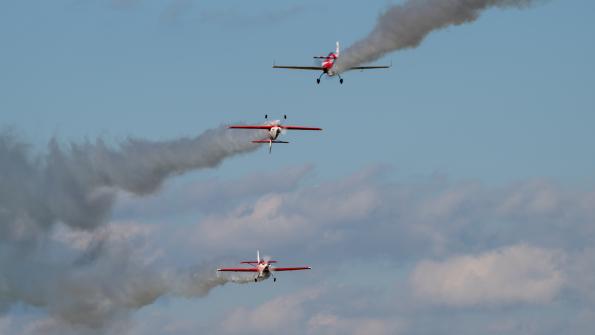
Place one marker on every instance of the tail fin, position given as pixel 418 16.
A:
pixel 258 256
pixel 338 49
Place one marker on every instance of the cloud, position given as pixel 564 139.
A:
pixel 213 195
pixel 333 324
pixel 297 314
pixel 373 214
pixel 289 217
pixel 514 274
pixel 276 315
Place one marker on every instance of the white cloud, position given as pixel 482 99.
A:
pixel 277 315
pixel 515 274
pixel 292 216
pixel 300 313
pixel 329 324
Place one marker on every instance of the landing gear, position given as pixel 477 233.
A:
pixel 340 79
pixel 318 80
pixel 274 279
pixel 255 280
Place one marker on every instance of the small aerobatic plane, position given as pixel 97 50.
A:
pixel 327 65
pixel 274 129
pixel 263 268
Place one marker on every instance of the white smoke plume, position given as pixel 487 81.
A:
pixel 406 25
pixel 75 187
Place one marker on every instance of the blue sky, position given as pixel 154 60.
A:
pixel 493 110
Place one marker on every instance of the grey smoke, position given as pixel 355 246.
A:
pixel 97 294
pixel 75 187
pixel 406 25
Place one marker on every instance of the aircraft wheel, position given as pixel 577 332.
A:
pixel 274 279
pixel 340 81
pixel 255 280
pixel 318 81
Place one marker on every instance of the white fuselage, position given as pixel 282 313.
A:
pixel 275 130
pixel 263 271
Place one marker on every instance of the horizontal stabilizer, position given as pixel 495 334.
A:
pixel 268 141
pixel 255 262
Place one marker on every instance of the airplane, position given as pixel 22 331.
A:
pixel 327 65
pixel 263 268
pixel 274 129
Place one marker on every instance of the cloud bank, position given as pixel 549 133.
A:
pixel 515 274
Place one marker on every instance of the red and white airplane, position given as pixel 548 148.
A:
pixel 274 129
pixel 263 268
pixel 327 66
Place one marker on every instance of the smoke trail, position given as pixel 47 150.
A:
pixel 406 25
pixel 76 187
pixel 95 295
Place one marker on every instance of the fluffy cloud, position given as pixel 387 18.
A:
pixel 515 274
pixel 314 212
pixel 372 214
pixel 332 324
pixel 300 313
pixel 277 315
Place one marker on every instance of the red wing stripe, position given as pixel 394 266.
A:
pixel 238 270
pixel 300 128
pixel 292 269
pixel 250 127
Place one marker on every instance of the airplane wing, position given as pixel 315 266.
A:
pixel 315 68
pixel 299 128
pixel 369 67
pixel 251 127
pixel 292 269
pixel 238 270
